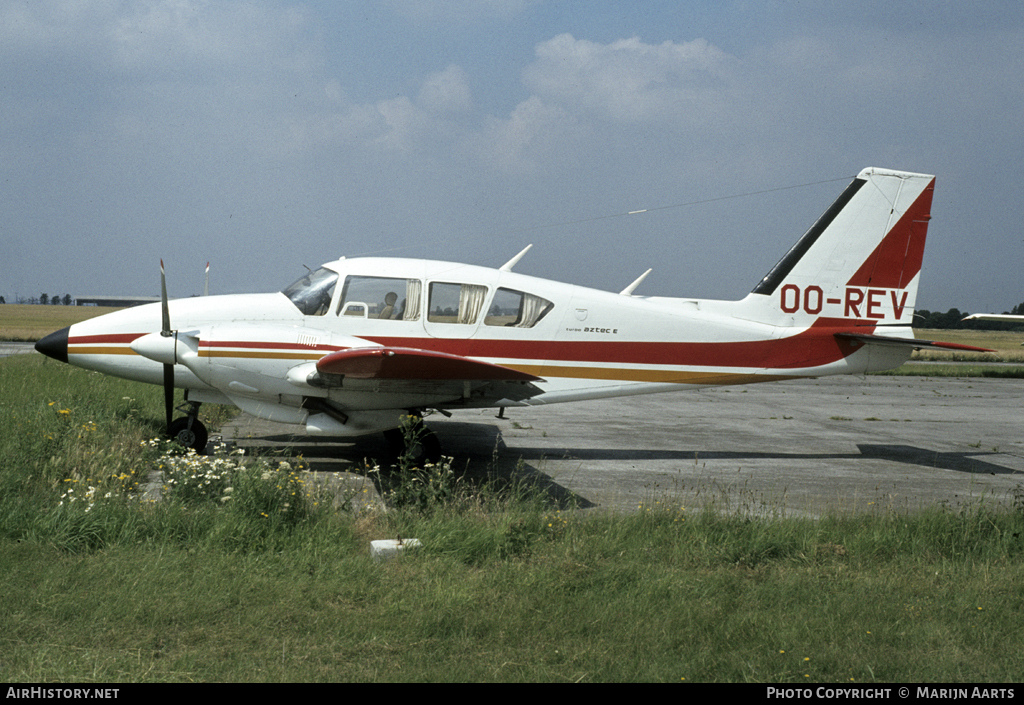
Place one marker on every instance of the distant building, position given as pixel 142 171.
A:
pixel 116 301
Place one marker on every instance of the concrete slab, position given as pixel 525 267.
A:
pixel 840 444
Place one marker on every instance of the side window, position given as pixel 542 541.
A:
pixel 381 298
pixel 455 303
pixel 516 309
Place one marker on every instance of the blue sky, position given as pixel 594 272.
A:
pixel 262 135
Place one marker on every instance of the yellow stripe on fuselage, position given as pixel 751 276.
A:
pixel 89 350
pixel 663 376
pixel 262 355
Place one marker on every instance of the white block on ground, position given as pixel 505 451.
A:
pixel 386 549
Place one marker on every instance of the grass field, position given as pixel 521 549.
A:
pixel 955 369
pixel 1007 346
pixel 24 322
pixel 937 363
pixel 248 573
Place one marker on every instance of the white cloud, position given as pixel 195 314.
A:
pixel 529 136
pixel 630 81
pixel 167 36
pixel 225 79
pixel 46 25
pixel 446 92
pixel 461 10
pixel 402 120
pixel 216 39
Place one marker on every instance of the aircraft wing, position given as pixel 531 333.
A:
pixel 1005 317
pixel 414 364
pixel 904 342
pixel 434 378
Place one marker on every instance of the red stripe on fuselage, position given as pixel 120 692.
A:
pixel 119 338
pixel 813 347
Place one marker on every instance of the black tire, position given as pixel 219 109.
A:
pixel 429 446
pixel 189 432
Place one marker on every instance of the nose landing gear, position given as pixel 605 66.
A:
pixel 189 431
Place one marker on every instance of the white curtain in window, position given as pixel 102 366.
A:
pixel 533 308
pixel 471 300
pixel 413 294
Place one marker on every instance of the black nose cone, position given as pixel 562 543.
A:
pixel 55 345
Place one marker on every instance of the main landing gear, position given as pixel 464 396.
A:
pixel 189 431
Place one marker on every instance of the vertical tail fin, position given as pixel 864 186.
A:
pixel 861 260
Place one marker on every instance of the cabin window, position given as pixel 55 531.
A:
pixel 381 298
pixel 516 309
pixel 455 303
pixel 312 293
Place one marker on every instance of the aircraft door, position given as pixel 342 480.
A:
pixel 454 309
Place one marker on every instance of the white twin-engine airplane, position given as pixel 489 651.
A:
pixel 1002 317
pixel 351 348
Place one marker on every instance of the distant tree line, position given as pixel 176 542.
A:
pixel 45 300
pixel 923 318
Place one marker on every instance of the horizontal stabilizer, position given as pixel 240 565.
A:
pixel 412 363
pixel 911 342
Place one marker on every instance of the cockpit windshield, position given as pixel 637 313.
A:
pixel 313 292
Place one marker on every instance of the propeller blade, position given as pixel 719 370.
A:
pixel 165 330
pixel 169 394
pixel 166 322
